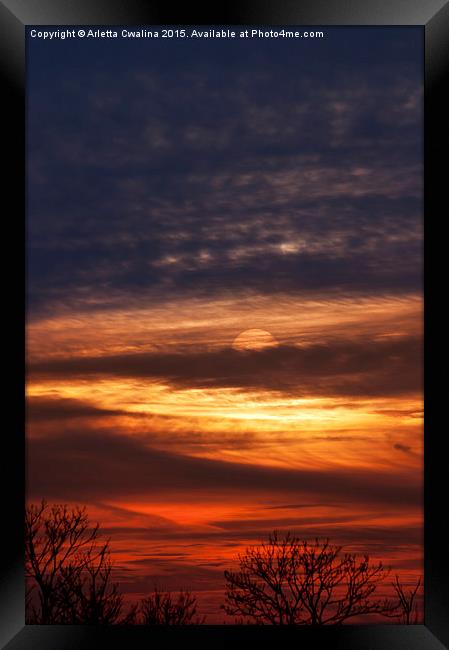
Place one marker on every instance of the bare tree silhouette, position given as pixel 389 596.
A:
pixel 284 581
pixel 288 581
pixel 163 608
pixel 68 568
pixel 407 606
pixel 68 576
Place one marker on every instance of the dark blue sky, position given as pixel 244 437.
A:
pixel 160 167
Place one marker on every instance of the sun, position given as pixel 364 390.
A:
pixel 254 339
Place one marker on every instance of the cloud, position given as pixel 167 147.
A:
pixel 183 561
pixel 401 447
pixel 344 368
pixel 44 409
pixel 169 575
pixel 97 466
pixel 279 171
pixel 276 175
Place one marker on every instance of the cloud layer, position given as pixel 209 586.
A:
pixel 210 182
pixel 96 466
pixel 181 192
pixel 372 368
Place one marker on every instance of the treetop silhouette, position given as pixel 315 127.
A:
pixel 288 581
pixel 284 581
pixel 68 568
pixel 68 576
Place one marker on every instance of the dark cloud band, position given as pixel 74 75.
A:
pixel 98 466
pixel 371 368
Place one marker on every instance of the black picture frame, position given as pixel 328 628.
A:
pixel 433 16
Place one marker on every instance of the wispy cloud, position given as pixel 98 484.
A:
pixel 283 192
pixel 279 171
pixel 382 367
pixel 95 467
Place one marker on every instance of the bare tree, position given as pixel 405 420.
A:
pixel 407 606
pixel 68 568
pixel 87 593
pixel 288 581
pixel 163 608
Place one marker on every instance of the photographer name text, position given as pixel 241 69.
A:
pixel 61 34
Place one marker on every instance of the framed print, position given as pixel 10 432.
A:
pixel 229 318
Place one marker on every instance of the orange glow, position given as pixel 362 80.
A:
pixel 253 426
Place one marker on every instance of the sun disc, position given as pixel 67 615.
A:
pixel 254 339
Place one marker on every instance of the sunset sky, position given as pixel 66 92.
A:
pixel 224 323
